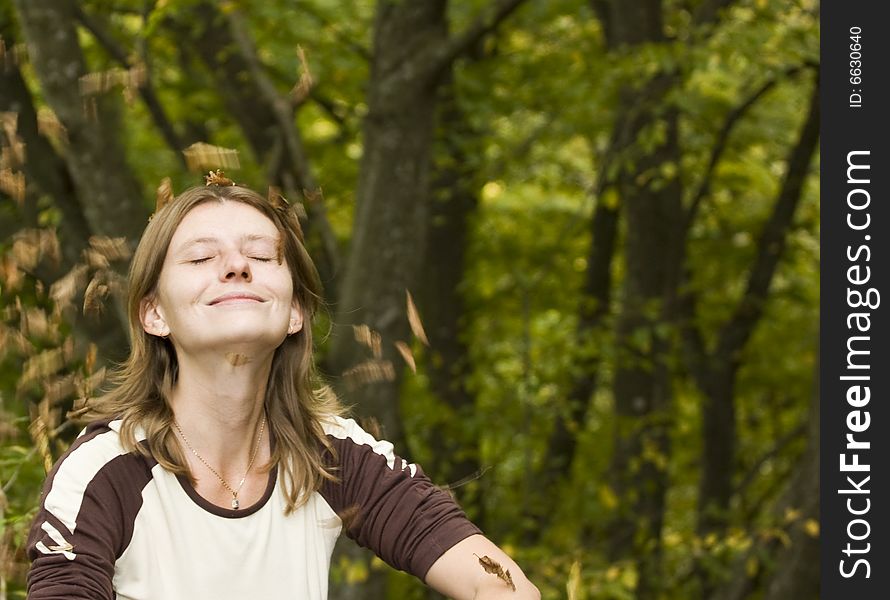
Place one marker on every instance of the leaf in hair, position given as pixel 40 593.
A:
pixel 493 567
pixel 414 320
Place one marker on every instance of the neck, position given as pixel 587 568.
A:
pixel 218 402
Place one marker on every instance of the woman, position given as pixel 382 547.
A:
pixel 216 469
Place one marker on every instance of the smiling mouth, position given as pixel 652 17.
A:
pixel 236 299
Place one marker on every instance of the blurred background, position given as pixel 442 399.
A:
pixel 570 252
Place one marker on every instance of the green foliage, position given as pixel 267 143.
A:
pixel 541 95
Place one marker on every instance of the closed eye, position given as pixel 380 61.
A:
pixel 198 261
pixel 261 258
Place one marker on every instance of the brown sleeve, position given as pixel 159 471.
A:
pixel 79 531
pixel 392 507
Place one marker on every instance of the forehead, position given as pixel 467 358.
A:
pixel 226 220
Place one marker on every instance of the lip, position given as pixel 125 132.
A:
pixel 235 298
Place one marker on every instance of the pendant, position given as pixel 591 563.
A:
pixel 235 503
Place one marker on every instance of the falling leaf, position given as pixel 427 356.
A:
pixel 574 589
pixel 493 567
pixel 201 156
pixel 89 361
pixel 369 371
pixel 40 429
pixel 48 125
pixel 45 364
pixel 414 320
pixel 370 338
pixel 406 353
pixel 164 195
pixel 94 296
pixel 57 389
pixel 301 90
pixel 12 183
pixel 64 290
pixel 236 359
pixel 99 82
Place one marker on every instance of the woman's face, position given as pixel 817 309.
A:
pixel 222 286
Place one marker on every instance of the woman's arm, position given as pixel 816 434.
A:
pixel 458 573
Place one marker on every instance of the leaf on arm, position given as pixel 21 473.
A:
pixel 492 566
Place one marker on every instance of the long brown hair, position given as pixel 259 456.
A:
pixel 296 404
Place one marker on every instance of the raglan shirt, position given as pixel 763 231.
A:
pixel 115 524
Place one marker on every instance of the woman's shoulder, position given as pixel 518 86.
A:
pixel 98 452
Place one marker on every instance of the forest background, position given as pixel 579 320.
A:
pixel 606 214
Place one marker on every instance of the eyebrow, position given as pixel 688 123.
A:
pixel 254 237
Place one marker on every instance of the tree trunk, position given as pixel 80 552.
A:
pixel 453 201
pixel 717 378
pixel 787 570
pixel 108 191
pixel 642 383
pixel 391 212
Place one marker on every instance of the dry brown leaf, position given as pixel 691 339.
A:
pixel 370 338
pixel 48 125
pixel 369 371
pixel 95 294
pixel 200 157
pixel 87 385
pixel 301 90
pixel 65 289
pixel 372 426
pixel 34 322
pixel 45 364
pixel 43 422
pixel 406 353
pixel 89 361
pixel 113 249
pixel 10 274
pixel 99 82
pixel 414 320
pixel 12 339
pixel 12 183
pixel 237 359
pixel 492 566
pixel 58 388
pixel 95 259
pixel 164 195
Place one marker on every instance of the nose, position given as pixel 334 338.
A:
pixel 236 267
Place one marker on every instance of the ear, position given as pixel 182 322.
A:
pixel 296 319
pixel 152 318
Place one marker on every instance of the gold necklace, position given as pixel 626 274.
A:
pixel 256 447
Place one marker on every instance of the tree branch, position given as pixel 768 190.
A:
pixel 299 162
pixel 345 39
pixel 146 91
pixel 732 119
pixel 739 327
pixel 482 26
